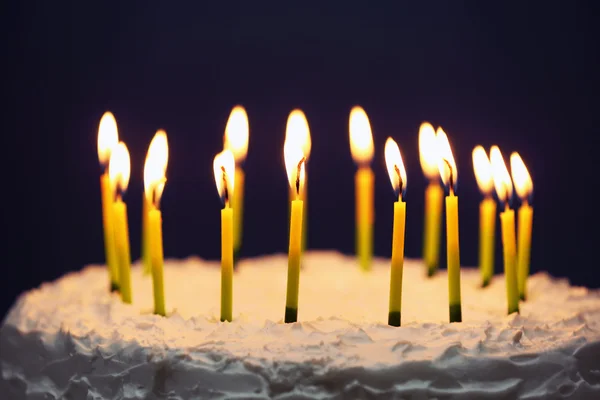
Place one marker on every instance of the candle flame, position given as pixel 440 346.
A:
pixel 483 170
pixel 297 125
pixel 428 152
pixel 446 164
pixel 119 168
pixel 361 138
pixel 502 182
pixel 236 134
pixel 521 177
pixel 295 161
pixel 395 167
pixel 108 137
pixel 224 168
pixel 155 168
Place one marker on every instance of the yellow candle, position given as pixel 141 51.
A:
pixel 119 170
pixel 524 188
pixel 236 137
pixel 304 197
pixel 487 234
pixel 123 251
pixel 397 173
pixel 156 258
pixel 294 258
pixel 295 164
pixel 448 172
pixel 145 236
pixel 108 138
pixel 509 251
pixel 434 195
pixel 504 190
pixel 487 214
pixel 362 149
pixel 297 126
pixel 227 264
pixel 109 232
pixel 524 249
pixel 238 209
pixel 224 169
pixel 155 168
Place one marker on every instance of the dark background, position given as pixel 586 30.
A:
pixel 522 75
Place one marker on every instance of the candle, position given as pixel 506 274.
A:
pixel 397 173
pixel 361 147
pixel 236 140
pixel 434 195
pixel 159 146
pixel 449 174
pixel 224 168
pixel 504 189
pixel 295 164
pixel 298 124
pixel 155 168
pixel 487 214
pixel 524 189
pixel 108 138
pixel 119 170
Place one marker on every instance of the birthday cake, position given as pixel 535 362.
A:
pixel 72 339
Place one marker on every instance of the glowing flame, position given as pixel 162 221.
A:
pixel 295 162
pixel 521 177
pixel 361 138
pixel 395 167
pixel 501 176
pixel 483 170
pixel 236 133
pixel 297 126
pixel 428 152
pixel 155 168
pixel 446 165
pixel 224 167
pixel 119 168
pixel 108 137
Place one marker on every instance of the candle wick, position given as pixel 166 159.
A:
pixel 451 178
pixel 400 183
pixel 298 175
pixel 225 191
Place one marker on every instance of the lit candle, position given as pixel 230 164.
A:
pixel 159 146
pixel 119 170
pixel 524 189
pixel 224 168
pixel 108 138
pixel 155 169
pixel 434 195
pixel 298 126
pixel 295 164
pixel 236 140
pixel 504 190
pixel 397 173
pixel 487 214
pixel 449 174
pixel 361 147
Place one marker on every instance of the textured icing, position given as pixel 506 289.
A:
pixel 71 339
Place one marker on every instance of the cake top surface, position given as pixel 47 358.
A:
pixel 342 313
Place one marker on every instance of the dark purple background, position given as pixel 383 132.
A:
pixel 520 75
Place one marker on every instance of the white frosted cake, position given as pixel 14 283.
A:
pixel 71 339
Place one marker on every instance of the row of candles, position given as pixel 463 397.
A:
pixel 437 162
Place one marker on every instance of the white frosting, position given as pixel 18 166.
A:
pixel 72 339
